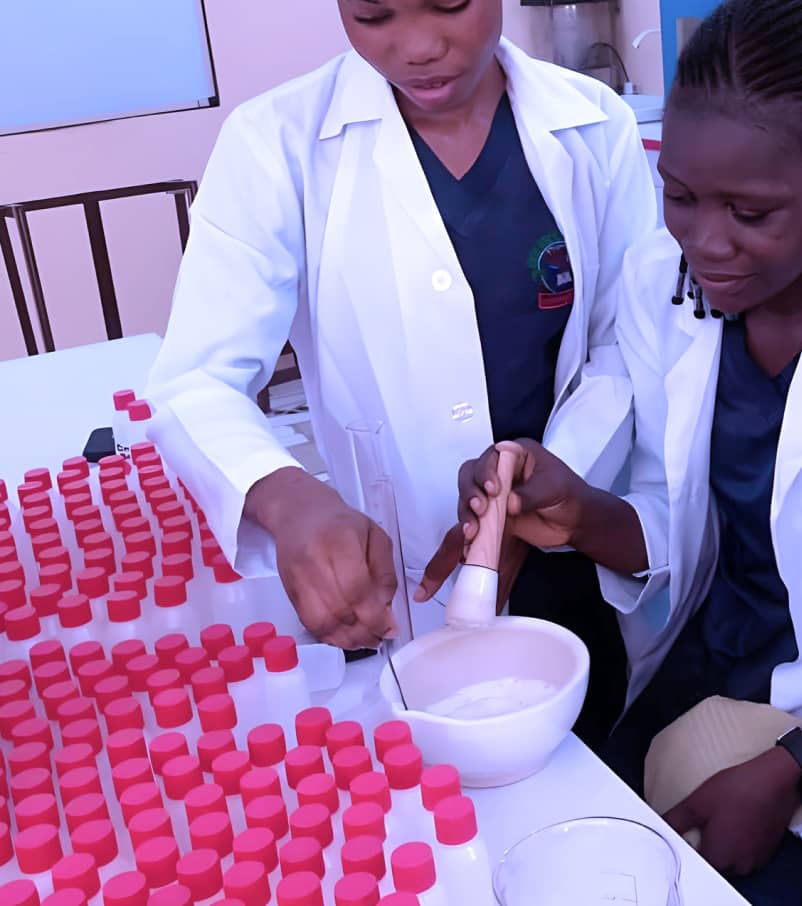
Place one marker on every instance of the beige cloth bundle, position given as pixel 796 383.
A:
pixel 718 733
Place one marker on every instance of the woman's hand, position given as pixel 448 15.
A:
pixel 743 812
pixel 336 564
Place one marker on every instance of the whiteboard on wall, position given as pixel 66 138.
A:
pixel 65 62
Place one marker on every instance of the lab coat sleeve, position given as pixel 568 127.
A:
pixel 235 299
pixel 601 403
pixel 638 336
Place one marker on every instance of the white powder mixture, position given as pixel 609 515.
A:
pixel 492 698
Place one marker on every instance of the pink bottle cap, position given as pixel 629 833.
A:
pixel 178 524
pixel 124 505
pixel 86 527
pixel 212 744
pixel 79 782
pixel 28 755
pixel 157 858
pixel 257 844
pixel 217 712
pixel 403 766
pixel 47 547
pixel 358 889
pixel 122 399
pixel 455 821
pixel 56 574
pixel 97 541
pixel 123 714
pixel 364 854
pixel 76 873
pixel 141 540
pixel 266 745
pixel 74 611
pixel 139 797
pixel 299 889
pixel 169 591
pixel 13 691
pixel 49 673
pixel 371 787
pixel 255 782
pixel 236 662
pixel 311 725
pixel 151 479
pixel 89 807
pixel 8 553
pixel 111 462
pixel 302 761
pixel 190 660
pixel 413 867
pixel 84 652
pixel 110 689
pixel 19 893
pixel 180 775
pixel 169 646
pixel 44 600
pixel 312 820
pixel 224 573
pixel 38 848
pixel 124 606
pixel 9 572
pixel 317 788
pixel 139 669
pixel 179 565
pixel 133 582
pixel 281 654
pixel 56 553
pixel 269 812
pixel 149 824
pixel 247 882
pixel 16 669
pixel 127 889
pixel 141 450
pixel 31 782
pixel 41 808
pixel 22 623
pixel 172 708
pixel 389 734
pixel 84 729
pixel 210 552
pixel 139 411
pixel 92 581
pixel 215 638
pixel 302 854
pixel 348 763
pixel 165 747
pixel 35 729
pixel 125 651
pixel 12 713
pixel 176 543
pixel 96 838
pixel 47 652
pixel 255 636
pixel 212 831
pixel 366 819
pixel 129 772
pixel 77 755
pixel 161 679
pixel 124 744
pixel 202 799
pixel 208 681
pixel 90 674
pixel 199 871
pixel 168 509
pixel 28 490
pixel 174 895
pixel 228 768
pixel 102 559
pixel 438 782
pixel 342 734
pixel 56 694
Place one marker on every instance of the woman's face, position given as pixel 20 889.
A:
pixel 434 52
pixel 733 201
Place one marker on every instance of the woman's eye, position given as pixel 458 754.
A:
pixel 752 217
pixel 457 8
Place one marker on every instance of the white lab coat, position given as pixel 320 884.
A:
pixel 315 221
pixel 673 360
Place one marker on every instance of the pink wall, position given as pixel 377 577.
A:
pixel 256 44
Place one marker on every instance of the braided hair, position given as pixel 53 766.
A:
pixel 750 50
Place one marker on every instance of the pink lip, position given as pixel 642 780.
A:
pixel 429 84
pixel 720 278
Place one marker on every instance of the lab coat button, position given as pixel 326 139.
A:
pixel 441 281
pixel 462 412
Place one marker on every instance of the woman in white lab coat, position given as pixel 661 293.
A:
pixel 317 220
pixel 703 558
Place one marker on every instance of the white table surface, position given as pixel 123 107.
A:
pixel 49 404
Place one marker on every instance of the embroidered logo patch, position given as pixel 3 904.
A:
pixel 551 270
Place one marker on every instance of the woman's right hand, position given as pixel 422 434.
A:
pixel 335 563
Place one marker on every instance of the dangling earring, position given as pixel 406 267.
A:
pixel 678 297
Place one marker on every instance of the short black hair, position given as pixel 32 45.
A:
pixel 747 50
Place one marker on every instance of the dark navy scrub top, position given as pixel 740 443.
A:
pixel 516 263
pixel 743 630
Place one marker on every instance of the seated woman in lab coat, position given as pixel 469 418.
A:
pixel 703 558
pixel 436 222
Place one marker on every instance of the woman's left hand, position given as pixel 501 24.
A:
pixel 742 812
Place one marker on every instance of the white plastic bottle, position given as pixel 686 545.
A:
pixel 139 413
pixel 409 821
pixel 119 421
pixel 286 689
pixel 414 872
pixel 462 860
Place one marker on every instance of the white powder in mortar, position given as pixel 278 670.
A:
pixel 492 698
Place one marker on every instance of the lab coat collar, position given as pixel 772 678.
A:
pixel 534 85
